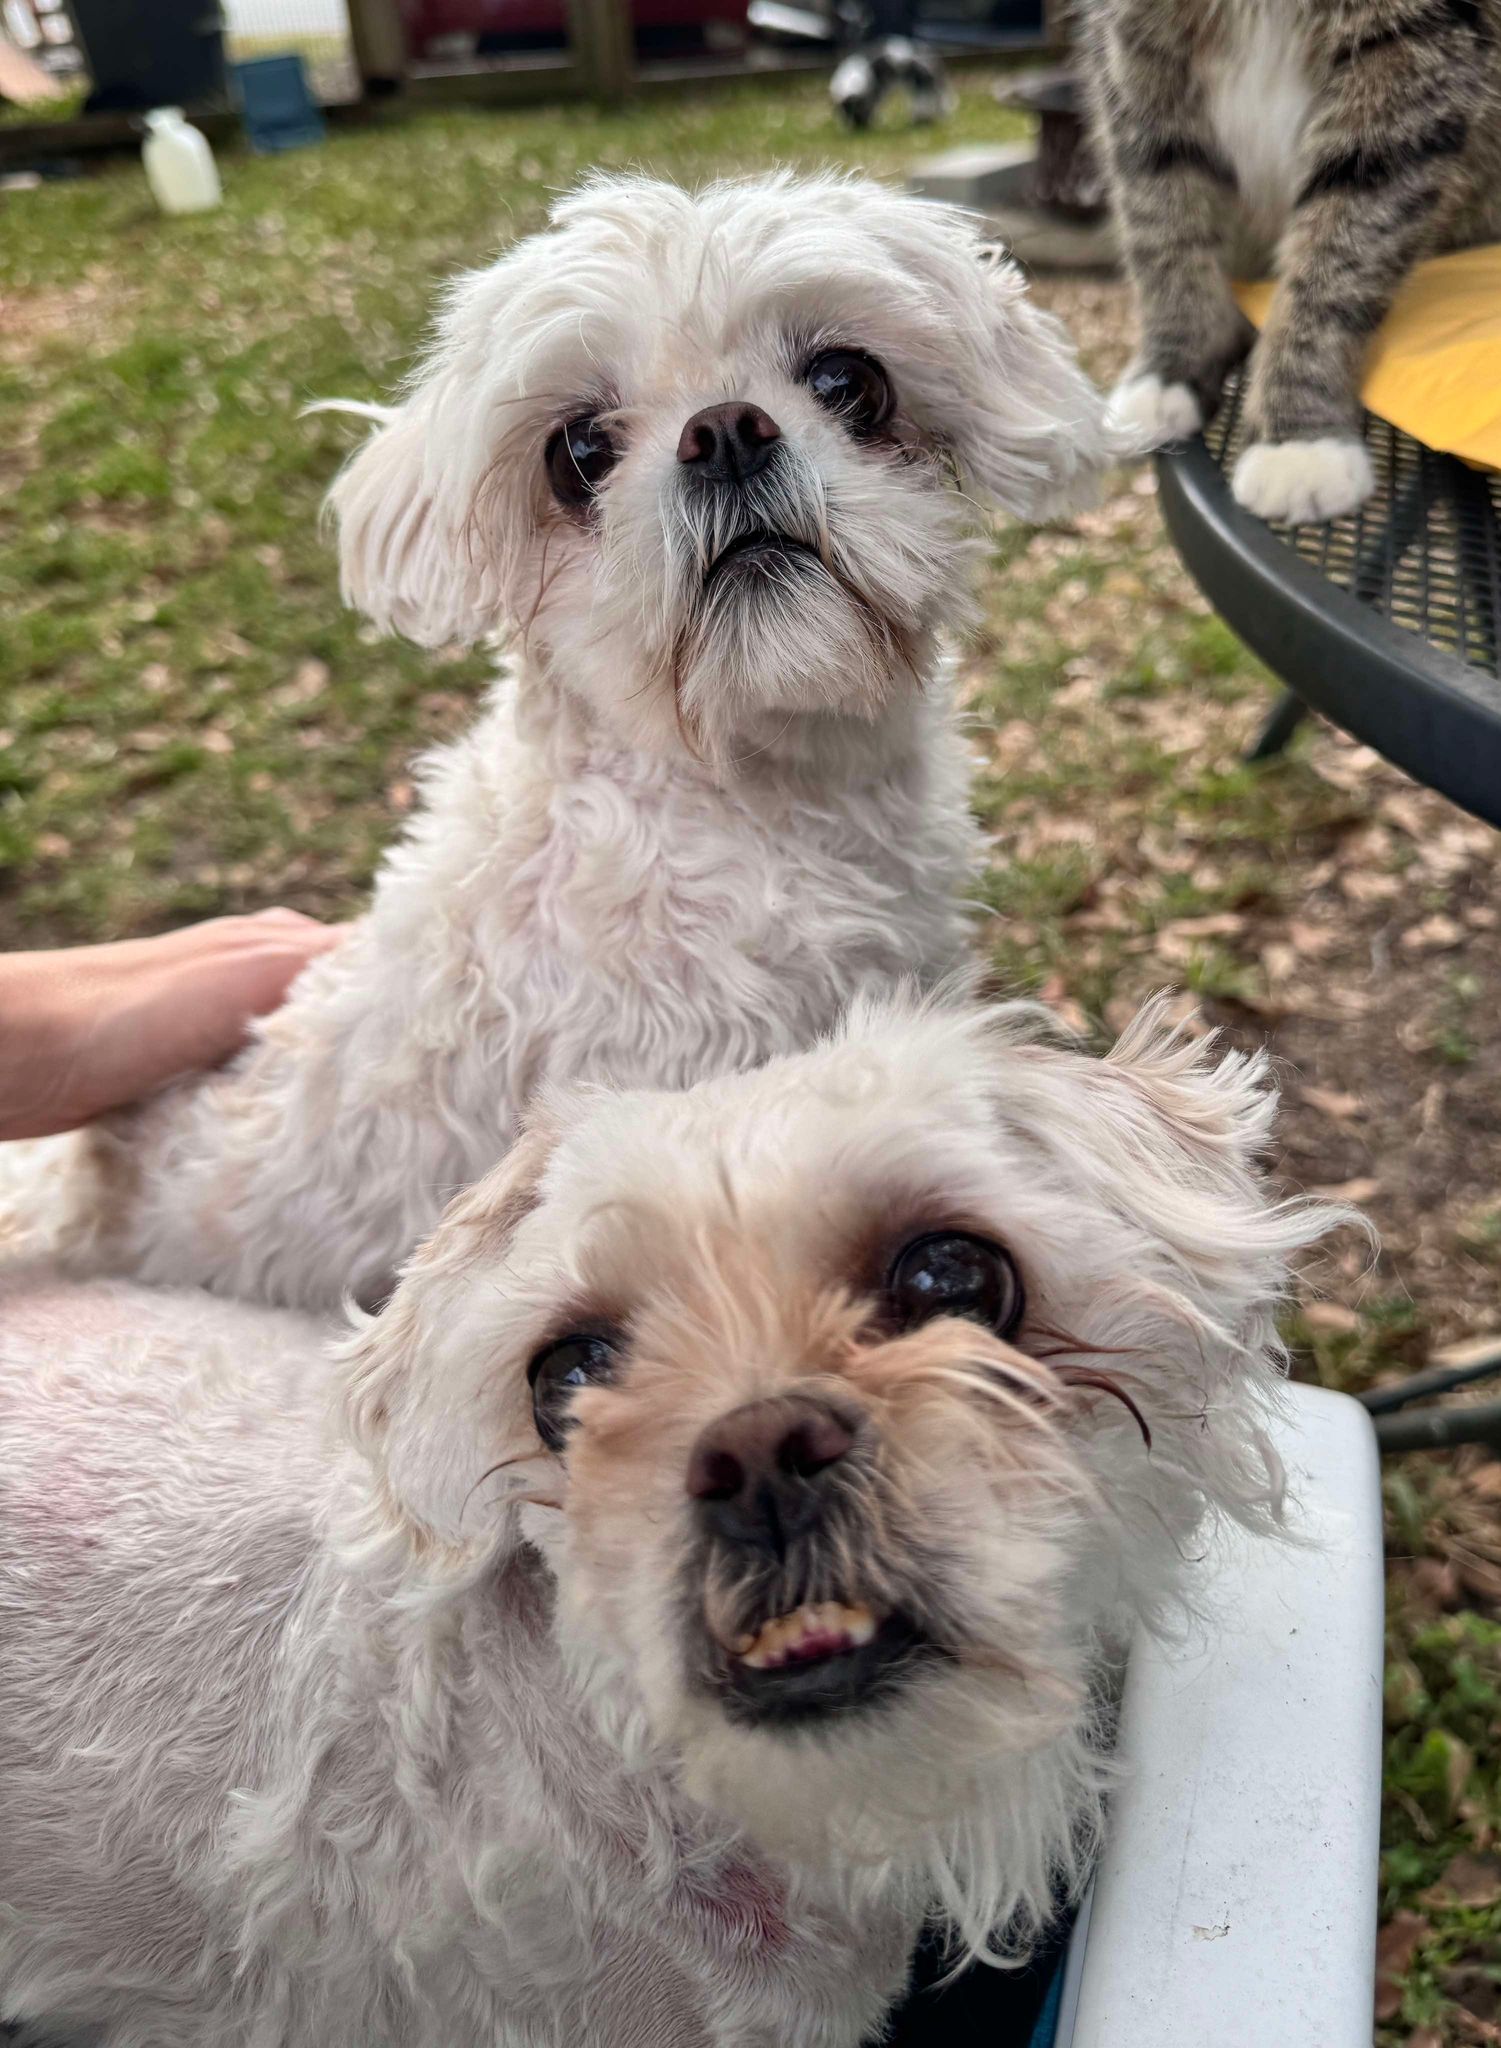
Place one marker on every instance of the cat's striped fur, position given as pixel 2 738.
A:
pixel 1343 140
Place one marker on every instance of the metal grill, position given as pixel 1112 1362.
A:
pixel 1424 550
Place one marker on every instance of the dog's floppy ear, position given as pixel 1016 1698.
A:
pixel 1217 1104
pixel 1027 427
pixel 1038 438
pixel 1186 1124
pixel 435 508
pixel 402 560
pixel 425 1399
pixel 411 556
pixel 1168 1131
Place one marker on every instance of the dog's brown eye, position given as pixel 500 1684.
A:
pixel 951 1273
pixel 558 1372
pixel 579 458
pixel 854 386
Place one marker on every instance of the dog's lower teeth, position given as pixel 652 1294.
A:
pixel 812 1633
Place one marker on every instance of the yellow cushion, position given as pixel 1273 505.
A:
pixel 1434 368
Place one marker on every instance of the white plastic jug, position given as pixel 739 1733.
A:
pixel 180 167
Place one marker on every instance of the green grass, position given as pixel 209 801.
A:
pixel 190 723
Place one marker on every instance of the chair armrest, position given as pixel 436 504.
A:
pixel 1235 1899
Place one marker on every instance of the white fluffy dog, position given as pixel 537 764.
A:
pixel 707 1574
pixel 708 460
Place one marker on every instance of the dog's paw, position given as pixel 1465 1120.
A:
pixel 1148 414
pixel 1302 482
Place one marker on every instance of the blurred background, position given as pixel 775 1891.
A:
pixel 189 723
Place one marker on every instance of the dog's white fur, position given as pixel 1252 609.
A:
pixel 322 1739
pixel 690 825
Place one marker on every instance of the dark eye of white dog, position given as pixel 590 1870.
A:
pixel 558 1371
pixel 951 1273
pixel 579 457
pixel 852 385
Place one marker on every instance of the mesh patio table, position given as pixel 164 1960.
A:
pixel 1388 621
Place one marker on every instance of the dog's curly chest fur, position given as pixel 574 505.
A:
pixel 557 913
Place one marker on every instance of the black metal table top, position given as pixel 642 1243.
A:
pixel 1388 621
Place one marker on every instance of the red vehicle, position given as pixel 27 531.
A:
pixel 437 28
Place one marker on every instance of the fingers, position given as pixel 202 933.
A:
pixel 92 1028
pixel 230 969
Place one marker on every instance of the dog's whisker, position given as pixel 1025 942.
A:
pixel 1102 1383
pixel 502 1465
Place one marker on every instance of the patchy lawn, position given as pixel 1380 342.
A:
pixel 189 723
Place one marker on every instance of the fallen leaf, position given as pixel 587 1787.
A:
pixel 1481 1579
pixel 1406 809
pixel 1346 1002
pixel 1176 948
pixel 1457 1769
pixel 1436 1581
pixel 1333 1104
pixel 1403 1690
pixel 1396 1945
pixel 1362 1189
pixel 1331 1318
pixel 1467 1881
pixel 1469 1350
pixel 310 678
pixel 1486 1482
pixel 1362 886
pixel 1271 1006
pixel 1435 934
pixel 1473 1983
pixel 1346 770
pixel 1119 1010
pixel 1218 924
pixel 1279 960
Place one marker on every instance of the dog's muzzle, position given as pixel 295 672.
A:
pixel 758 549
pixel 776 1486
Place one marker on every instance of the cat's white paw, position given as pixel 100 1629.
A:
pixel 1148 414
pixel 1303 482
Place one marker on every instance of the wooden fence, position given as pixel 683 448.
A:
pixel 599 64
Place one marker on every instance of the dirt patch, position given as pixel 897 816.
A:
pixel 87 312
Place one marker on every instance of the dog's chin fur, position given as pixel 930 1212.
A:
pixel 983 1818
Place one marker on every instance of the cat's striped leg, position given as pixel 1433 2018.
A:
pixel 1383 175
pixel 1171 190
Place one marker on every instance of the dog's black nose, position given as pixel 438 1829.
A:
pixel 726 444
pixel 762 1474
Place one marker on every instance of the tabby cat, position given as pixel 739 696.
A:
pixel 1343 140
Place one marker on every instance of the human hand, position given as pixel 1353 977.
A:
pixel 90 1028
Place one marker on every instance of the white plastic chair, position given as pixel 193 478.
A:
pixel 1235 1901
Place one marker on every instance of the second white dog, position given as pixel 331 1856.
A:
pixel 707 460
pixel 708 1574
